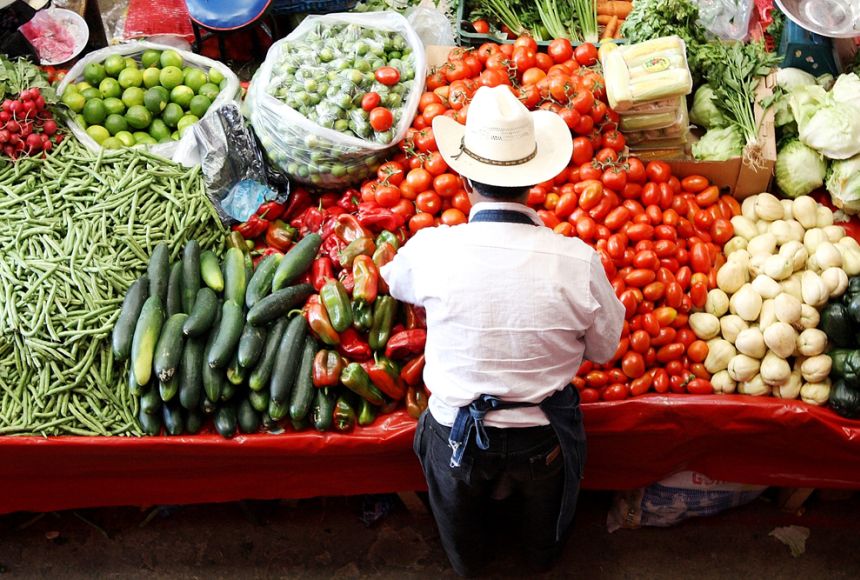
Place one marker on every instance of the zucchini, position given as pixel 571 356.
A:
pixel 301 424
pixel 323 409
pixel 210 271
pixel 263 371
pixel 225 421
pixel 249 418
pixel 278 411
pixel 174 290
pixel 270 424
pixel 261 282
pixel 151 424
pixel 168 389
pixel 169 347
pixel 259 400
pixel 191 370
pixel 146 334
pixel 287 364
pixel 234 276
pixel 158 271
pixel 303 391
pixel 278 304
pixel 194 422
pixel 172 415
pixel 133 387
pixel 213 379
pixel 227 335
pixel 150 402
pixel 235 372
pixel 297 261
pixel 209 407
pixel 203 315
pixel 228 391
pixel 123 329
pixel 251 345
pixel 190 274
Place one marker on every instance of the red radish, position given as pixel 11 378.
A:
pixel 40 102
pixel 13 126
pixel 4 136
pixel 47 146
pixel 15 107
pixel 7 105
pixel 50 127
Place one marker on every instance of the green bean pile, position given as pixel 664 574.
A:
pixel 76 229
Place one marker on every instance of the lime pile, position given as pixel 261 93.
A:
pixel 121 103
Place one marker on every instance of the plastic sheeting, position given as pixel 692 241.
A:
pixel 632 443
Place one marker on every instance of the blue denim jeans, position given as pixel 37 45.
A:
pixel 524 463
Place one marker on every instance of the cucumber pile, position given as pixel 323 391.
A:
pixel 221 338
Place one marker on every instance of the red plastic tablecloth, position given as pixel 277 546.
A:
pixel 631 444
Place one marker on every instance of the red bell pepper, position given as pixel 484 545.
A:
pixel 328 200
pixel 412 372
pixel 280 236
pixel 345 277
pixel 343 415
pixel 299 201
pixel 349 200
pixel 322 269
pixel 253 228
pixel 309 221
pixel 349 229
pixel 319 322
pixel 376 218
pixel 331 247
pixel 353 347
pixel 366 278
pixel 416 401
pixel 414 316
pixel 271 210
pixel 383 374
pixel 405 343
pixel 328 365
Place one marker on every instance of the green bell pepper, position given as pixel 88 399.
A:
pixel 383 318
pixel 336 302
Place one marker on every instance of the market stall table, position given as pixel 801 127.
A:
pixel 632 443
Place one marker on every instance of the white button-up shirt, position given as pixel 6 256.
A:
pixel 512 310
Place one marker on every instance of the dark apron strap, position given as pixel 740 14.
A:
pixel 502 215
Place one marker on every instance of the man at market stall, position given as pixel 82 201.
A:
pixel 512 311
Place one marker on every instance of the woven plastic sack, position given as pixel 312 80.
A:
pixel 306 150
pixel 182 151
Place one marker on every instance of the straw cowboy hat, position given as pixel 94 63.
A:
pixel 502 143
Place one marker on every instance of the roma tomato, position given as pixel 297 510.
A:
pixel 615 392
pixel 589 395
pixel 700 387
pixel 640 341
pixel 698 351
pixel 658 171
pixel 641 385
pixel 661 381
pixel 633 365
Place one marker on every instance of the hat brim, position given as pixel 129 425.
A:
pixel 554 149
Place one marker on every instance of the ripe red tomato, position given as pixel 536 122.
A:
pixel 526 41
pixel 560 50
pixel 583 152
pixel 585 54
pixel 589 395
pixel 635 170
pixel 428 202
pixel 391 173
pixel 419 179
pixel 481 26
pixel 381 119
pixel 446 184
pixel 452 217
pixel 614 178
pixel 420 221
pixel 370 101
pixel 640 341
pixel 435 164
pixel 658 171
pixel 694 183
pixel 524 59
pixel 700 387
pixel 615 392
pixel 387 195
pixel 387 75
pixel 698 351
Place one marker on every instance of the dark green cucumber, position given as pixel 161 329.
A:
pixel 301 424
pixel 158 271
pixel 172 415
pixel 259 400
pixel 123 329
pixel 263 371
pixel 133 387
pixel 151 424
pixel 150 401
pixel 210 271
pixel 209 407
pixel 213 379
pixel 278 304
pixel 146 333
pixel 249 418
pixel 270 424
pixel 168 389
pixel 169 348
pixel 203 315
pixel 278 411
pixel 174 290
pixel 191 370
pixel 297 261
pixel 229 390
pixel 226 421
pixel 227 336
pixel 260 284
pixel 303 390
pixel 323 409
pixel 190 274
pixel 251 345
pixel 194 421
pixel 288 361
pixel 234 276
pixel 236 373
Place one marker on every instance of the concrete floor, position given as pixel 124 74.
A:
pixel 325 538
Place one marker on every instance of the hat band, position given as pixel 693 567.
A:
pixel 476 157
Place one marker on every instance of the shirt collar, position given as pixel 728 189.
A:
pixel 506 205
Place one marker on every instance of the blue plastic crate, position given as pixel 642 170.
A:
pixel 807 51
pixel 311 6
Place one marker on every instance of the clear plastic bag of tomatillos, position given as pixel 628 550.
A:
pixel 306 101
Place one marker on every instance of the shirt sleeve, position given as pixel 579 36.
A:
pixel 400 274
pixel 601 339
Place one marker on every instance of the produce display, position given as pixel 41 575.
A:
pixel 840 319
pixel 27 125
pixel 75 230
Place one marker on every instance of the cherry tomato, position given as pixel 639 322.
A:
pixel 641 385
pixel 640 341
pixel 589 395
pixel 381 119
pixel 700 386
pixel 387 75
pixel 370 101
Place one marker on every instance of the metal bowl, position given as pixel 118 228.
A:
pixel 831 18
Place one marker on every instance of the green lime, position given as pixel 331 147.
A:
pixel 145 139
pixel 130 77
pixel 94 112
pixel 112 143
pixel 74 100
pixel 114 64
pixel 151 77
pixel 84 85
pixel 170 58
pixel 138 117
pixel 182 96
pixel 133 96
pixel 174 136
pixel 116 123
pixel 159 130
pixel 114 106
pixel 110 88
pixel 150 57
pixel 71 88
pixel 138 135
pixel 98 133
pixel 94 73
pixel 131 63
pixel 127 138
pixel 210 91
pixel 185 122
pixel 171 114
pixel 215 76
pixel 195 78
pixel 154 100
pixel 170 77
pixel 199 105
pixel 167 139
pixel 92 93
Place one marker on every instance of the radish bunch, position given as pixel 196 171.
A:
pixel 27 127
